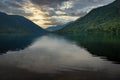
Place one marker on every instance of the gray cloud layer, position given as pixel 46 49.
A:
pixel 59 11
pixel 13 7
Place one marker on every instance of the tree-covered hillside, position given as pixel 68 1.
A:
pixel 18 24
pixel 103 19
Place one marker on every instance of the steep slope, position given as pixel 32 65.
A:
pixel 18 24
pixel 102 19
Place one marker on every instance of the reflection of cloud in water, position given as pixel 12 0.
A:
pixel 48 54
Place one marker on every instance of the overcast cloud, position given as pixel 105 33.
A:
pixel 51 12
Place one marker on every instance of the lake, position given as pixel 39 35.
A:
pixel 56 57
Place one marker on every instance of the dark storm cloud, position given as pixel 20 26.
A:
pixel 13 3
pixel 82 6
pixel 13 7
pixel 59 11
pixel 78 6
pixel 71 8
pixel 47 2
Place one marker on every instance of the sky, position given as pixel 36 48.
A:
pixel 47 13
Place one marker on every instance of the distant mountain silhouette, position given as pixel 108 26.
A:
pixel 18 24
pixel 103 19
pixel 54 28
pixel 58 27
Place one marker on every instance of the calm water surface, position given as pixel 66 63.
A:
pixel 87 58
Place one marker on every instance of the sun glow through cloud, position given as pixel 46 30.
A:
pixel 38 16
pixel 47 13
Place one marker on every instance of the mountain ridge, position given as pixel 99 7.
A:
pixel 103 19
pixel 58 27
pixel 18 24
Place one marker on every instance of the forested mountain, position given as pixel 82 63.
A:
pixel 18 24
pixel 103 19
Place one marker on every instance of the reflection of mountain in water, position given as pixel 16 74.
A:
pixel 106 46
pixel 55 58
pixel 101 45
pixel 51 54
pixel 15 42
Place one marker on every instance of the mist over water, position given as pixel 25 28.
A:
pixel 51 54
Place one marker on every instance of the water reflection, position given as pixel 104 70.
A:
pixel 49 54
pixel 101 45
pixel 15 42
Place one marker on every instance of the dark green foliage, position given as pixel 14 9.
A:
pixel 18 24
pixel 104 19
pixel 106 45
